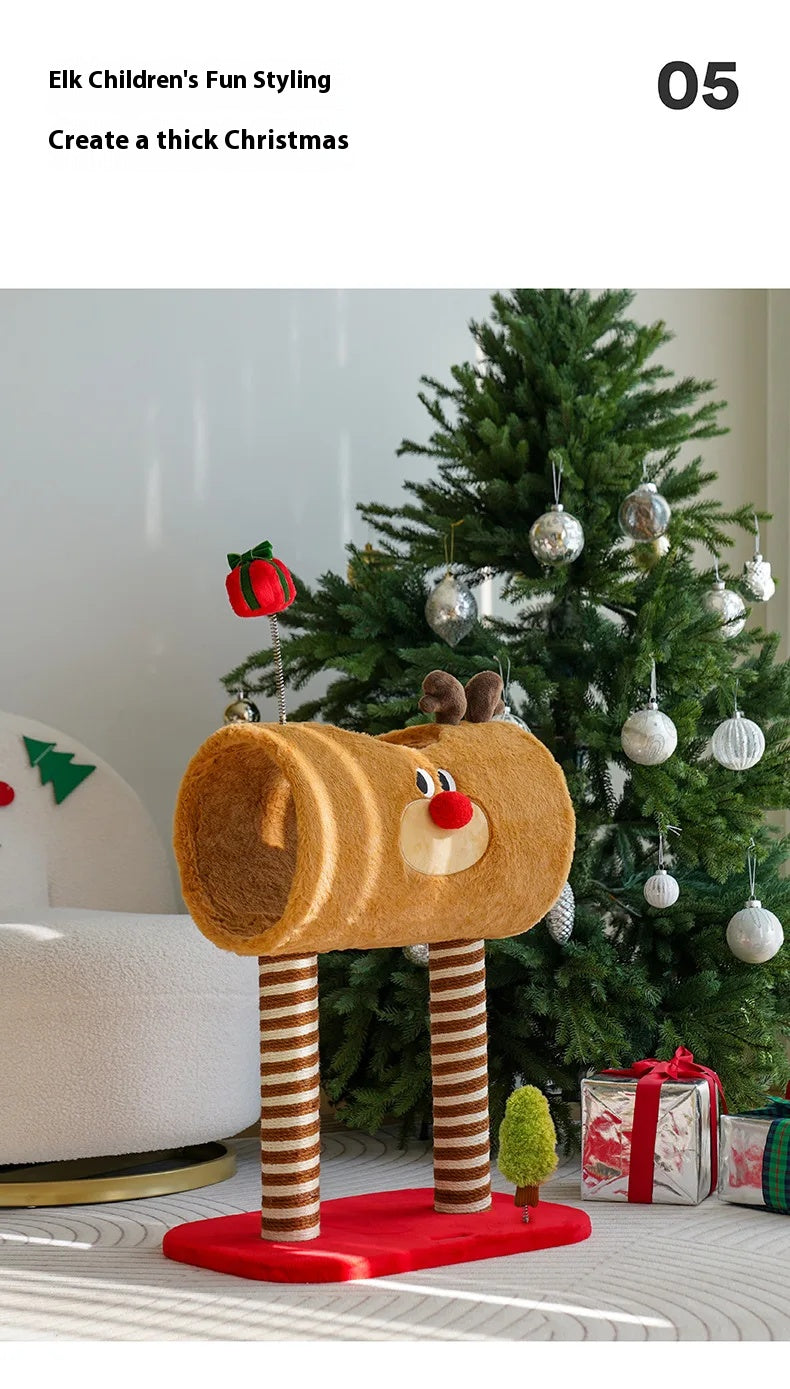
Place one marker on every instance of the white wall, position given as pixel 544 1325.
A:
pixel 144 434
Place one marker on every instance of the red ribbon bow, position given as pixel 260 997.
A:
pixel 650 1075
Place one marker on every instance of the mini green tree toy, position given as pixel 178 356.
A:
pixel 527 1145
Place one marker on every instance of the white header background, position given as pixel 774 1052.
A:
pixel 489 143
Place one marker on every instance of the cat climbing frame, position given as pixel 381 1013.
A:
pixel 294 839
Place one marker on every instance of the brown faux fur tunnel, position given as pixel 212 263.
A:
pixel 303 837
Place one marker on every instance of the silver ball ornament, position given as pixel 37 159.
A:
pixel 560 918
pixel 648 736
pixel 242 710
pixel 507 716
pixel 662 890
pixel 417 954
pixel 757 578
pixel 754 934
pixel 644 514
pixel 728 606
pixel 556 538
pixel 738 743
pixel 451 609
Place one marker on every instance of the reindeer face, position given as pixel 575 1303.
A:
pixel 442 831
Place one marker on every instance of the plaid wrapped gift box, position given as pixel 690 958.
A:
pixel 755 1157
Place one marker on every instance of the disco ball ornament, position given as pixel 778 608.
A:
pixel 556 538
pixel 560 918
pixel 754 934
pixel 757 578
pixel 662 890
pixel 417 954
pixel 649 736
pixel 728 606
pixel 738 743
pixel 242 710
pixel 451 610
pixel 644 514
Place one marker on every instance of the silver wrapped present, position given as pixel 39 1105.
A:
pixel 681 1171
pixel 747 1175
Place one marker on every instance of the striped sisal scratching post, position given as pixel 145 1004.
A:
pixel 459 1066
pixel 290 1120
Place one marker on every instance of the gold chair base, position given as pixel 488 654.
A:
pixel 86 1181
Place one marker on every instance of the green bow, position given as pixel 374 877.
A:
pixel 243 562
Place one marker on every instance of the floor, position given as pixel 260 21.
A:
pixel 711 1272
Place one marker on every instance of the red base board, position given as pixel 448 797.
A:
pixel 370 1236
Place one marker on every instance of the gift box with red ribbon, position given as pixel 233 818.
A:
pixel 650 1132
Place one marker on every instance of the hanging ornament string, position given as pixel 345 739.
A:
pixel 653 684
pixel 505 680
pixel 507 715
pixel 663 830
pixel 556 478
pixel 448 557
pixel 751 867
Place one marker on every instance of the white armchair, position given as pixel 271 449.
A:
pixel 122 1029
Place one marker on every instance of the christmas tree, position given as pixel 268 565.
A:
pixel 569 386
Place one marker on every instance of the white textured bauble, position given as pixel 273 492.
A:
pixel 758 580
pixel 754 934
pixel 662 890
pixel 451 609
pixel 738 743
pixel 556 537
pixel 418 954
pixel 649 736
pixel 728 606
pixel 560 918
pixel 644 514
pixel 242 710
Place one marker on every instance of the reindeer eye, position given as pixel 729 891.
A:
pixel 446 779
pixel 425 782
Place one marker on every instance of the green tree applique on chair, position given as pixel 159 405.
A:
pixel 56 768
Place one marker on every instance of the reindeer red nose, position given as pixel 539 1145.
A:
pixel 450 810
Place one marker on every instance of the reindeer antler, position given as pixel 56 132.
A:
pixel 484 696
pixel 443 696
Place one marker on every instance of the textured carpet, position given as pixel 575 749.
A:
pixel 711 1272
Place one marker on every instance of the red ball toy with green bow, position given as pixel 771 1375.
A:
pixel 258 584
